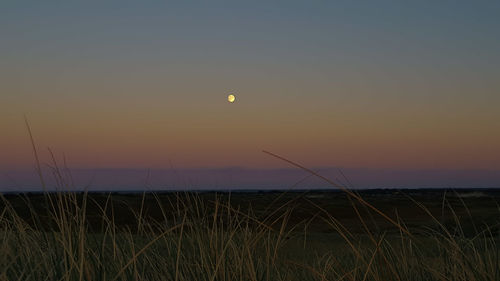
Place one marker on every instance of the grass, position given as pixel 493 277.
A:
pixel 208 237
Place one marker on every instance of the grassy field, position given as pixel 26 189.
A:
pixel 316 235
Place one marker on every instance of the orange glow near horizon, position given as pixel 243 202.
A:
pixel 236 137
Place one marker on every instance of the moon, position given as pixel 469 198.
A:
pixel 231 98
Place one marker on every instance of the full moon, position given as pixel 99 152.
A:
pixel 231 98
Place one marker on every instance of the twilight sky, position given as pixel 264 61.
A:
pixel 143 84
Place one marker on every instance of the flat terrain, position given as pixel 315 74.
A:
pixel 417 209
pixel 419 235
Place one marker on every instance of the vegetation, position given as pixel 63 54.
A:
pixel 253 236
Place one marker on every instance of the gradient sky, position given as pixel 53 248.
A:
pixel 143 84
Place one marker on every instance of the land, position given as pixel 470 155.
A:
pixel 431 234
pixel 474 207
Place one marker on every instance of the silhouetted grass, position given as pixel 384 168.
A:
pixel 203 239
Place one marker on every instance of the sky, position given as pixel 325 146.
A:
pixel 380 85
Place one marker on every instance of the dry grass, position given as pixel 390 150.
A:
pixel 220 242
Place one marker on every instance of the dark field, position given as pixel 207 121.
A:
pixel 474 208
pixel 311 235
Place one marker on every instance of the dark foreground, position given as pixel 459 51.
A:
pixel 419 209
pixel 420 235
